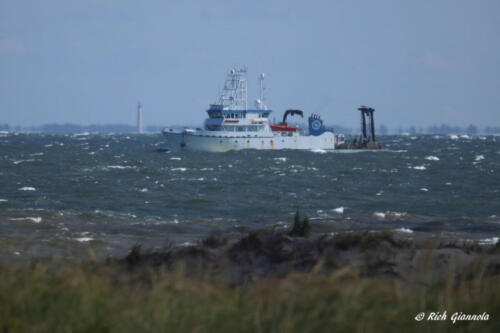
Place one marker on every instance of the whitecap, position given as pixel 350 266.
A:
pixel 448 183
pixel 420 167
pixel 121 167
pixel 175 158
pixel 398 214
pixel 489 241
pixel 403 229
pixel 479 157
pixel 48 145
pixel 379 193
pixel 207 169
pixel 3 200
pixel 339 210
pixel 27 188
pixel 22 161
pixel 379 215
pixel 454 137
pixel 282 159
pixel 36 154
pixel 318 151
pixel 144 190
pixel 84 239
pixel 424 189
pixel 178 169
pixel 465 136
pixel 36 219
pixel 432 158
pixel 80 134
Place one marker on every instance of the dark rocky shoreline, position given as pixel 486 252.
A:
pixel 362 254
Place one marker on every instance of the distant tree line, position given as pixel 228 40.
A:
pixel 124 128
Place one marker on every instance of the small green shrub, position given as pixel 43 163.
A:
pixel 300 228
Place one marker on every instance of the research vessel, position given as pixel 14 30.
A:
pixel 231 125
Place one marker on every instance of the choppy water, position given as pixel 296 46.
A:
pixel 114 190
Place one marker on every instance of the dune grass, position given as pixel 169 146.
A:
pixel 102 298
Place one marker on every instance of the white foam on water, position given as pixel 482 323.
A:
pixel 318 151
pixel 406 230
pixel 48 145
pixel 424 189
pixel 37 154
pixel 420 167
pixel 448 183
pixel 144 190
pixel 465 136
pixel 454 137
pixel 379 215
pixel 432 158
pixel 379 193
pixel 80 134
pixel 23 161
pixel 282 159
pixel 3 200
pixel 175 158
pixel 36 219
pixel 178 169
pixel 207 169
pixel 479 158
pixel 339 210
pixel 92 153
pixel 27 188
pixel 83 239
pixel 121 167
pixel 489 241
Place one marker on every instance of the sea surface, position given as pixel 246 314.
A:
pixel 64 195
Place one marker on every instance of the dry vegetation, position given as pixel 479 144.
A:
pixel 367 282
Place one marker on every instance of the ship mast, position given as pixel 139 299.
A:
pixel 259 103
pixel 234 94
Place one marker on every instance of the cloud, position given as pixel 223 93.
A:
pixel 10 45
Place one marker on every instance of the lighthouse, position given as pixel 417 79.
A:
pixel 139 118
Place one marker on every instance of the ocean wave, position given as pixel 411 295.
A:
pixel 27 188
pixel 36 219
pixel 406 230
pixel 318 151
pixel 479 158
pixel 23 161
pixel 121 167
pixel 339 210
pixel 83 239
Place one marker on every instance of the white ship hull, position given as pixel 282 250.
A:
pixel 199 142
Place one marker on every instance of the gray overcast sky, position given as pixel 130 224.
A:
pixel 417 62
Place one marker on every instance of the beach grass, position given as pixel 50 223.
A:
pixel 47 297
